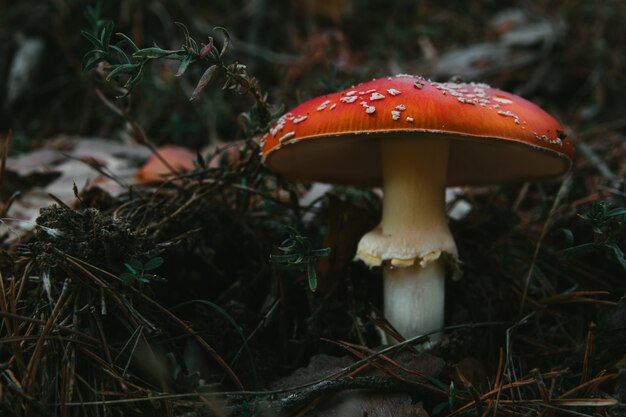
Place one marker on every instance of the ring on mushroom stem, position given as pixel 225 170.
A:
pixel 414 137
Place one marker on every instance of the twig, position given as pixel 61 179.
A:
pixel 614 181
pixel 563 191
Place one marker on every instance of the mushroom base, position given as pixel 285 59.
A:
pixel 415 306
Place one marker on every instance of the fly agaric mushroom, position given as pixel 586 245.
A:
pixel 415 137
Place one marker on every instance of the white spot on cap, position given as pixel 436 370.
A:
pixel 279 126
pixel 467 100
pixel 300 119
pixel 332 106
pixel 509 114
pixel 502 100
pixel 286 136
pixel 410 119
pixel 370 109
pixel 395 115
pixel 323 105
pixel 349 99
pixel 393 91
pixel 401 107
pixel 351 93
pixel 376 96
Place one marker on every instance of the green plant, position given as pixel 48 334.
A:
pixel 449 405
pixel 608 224
pixel 137 271
pixel 126 68
pixel 298 253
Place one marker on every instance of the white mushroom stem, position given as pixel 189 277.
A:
pixel 413 235
pixel 414 299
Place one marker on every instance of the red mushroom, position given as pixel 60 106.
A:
pixel 155 171
pixel 415 137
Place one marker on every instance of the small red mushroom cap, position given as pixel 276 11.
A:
pixel 154 171
pixel 494 136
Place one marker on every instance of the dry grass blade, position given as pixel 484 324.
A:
pixel 472 390
pixel 578 297
pixel 364 353
pixel 31 369
pixel 11 326
pixel 589 386
pixel 500 390
pixel 80 264
pixel 588 355
pixel 563 191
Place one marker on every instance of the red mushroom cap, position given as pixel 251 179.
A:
pixel 494 136
pixel 154 171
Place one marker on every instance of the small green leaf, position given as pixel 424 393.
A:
pixel 618 211
pixel 120 52
pixel 91 38
pixel 579 250
pixel 312 275
pixel 127 278
pixel 153 263
pixel 134 79
pixel 143 279
pixel 127 40
pixel 451 396
pixel 91 59
pixel 284 258
pixel 184 64
pixel 105 35
pixel 568 236
pixel 226 43
pixel 185 31
pixel 136 263
pixel 120 69
pixel 152 53
pixel 321 252
pixel 439 408
pixel 130 268
pixel 193 46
